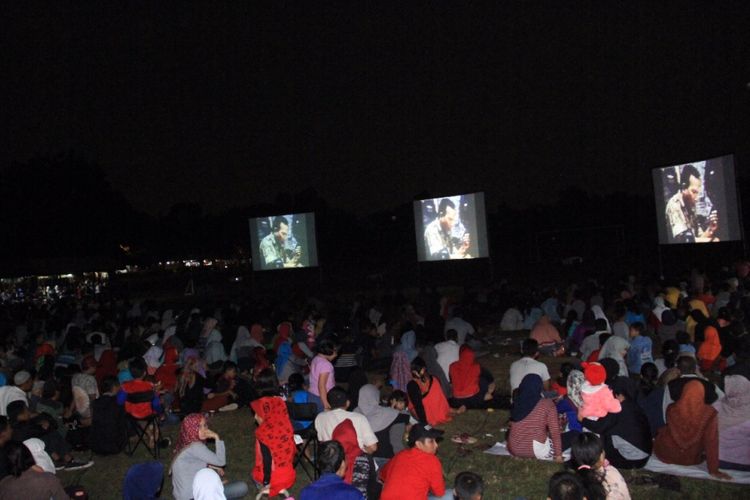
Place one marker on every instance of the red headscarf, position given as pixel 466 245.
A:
pixel 464 374
pixel 189 431
pixel 346 435
pixel 277 435
pixel 261 361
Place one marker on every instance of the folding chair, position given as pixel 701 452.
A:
pixel 143 426
pixel 305 438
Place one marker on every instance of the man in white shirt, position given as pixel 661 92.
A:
pixel 447 352
pixel 528 364
pixel 10 393
pixel 327 421
pixel 462 327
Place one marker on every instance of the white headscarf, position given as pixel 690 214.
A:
pixel 214 348
pixel 599 314
pixel 612 349
pixel 41 458
pixel 207 485
pixel 153 356
pixel 380 417
pixel 243 339
pixel 659 307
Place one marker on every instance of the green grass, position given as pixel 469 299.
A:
pixel 505 477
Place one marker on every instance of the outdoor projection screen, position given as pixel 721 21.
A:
pixel 283 242
pixel 451 227
pixel 697 202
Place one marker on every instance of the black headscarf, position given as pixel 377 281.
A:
pixel 529 394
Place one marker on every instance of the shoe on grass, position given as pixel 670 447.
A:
pixel 78 465
pixel 229 407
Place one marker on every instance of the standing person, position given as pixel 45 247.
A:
pixel 322 378
pixel 274 438
pixel 415 472
pixel 330 485
pixel 534 427
pixel 692 431
pixel 191 455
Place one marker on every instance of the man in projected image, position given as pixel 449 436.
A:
pixel 438 235
pixel 273 247
pixel 685 225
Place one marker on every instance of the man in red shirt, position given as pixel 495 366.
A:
pixel 416 472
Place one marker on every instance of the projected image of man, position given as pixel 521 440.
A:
pixel 440 242
pixel 684 223
pixel 273 249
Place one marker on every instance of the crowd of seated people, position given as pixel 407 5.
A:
pixel 654 370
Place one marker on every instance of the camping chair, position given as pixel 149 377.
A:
pixel 146 429
pixel 305 438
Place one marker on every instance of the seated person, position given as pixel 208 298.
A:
pixel 528 364
pixel 566 485
pixel 25 479
pixel 626 434
pixel 687 366
pixel 85 389
pixel 191 455
pixel 473 386
pixel 427 401
pixel 692 431
pixel 140 410
pixel 546 334
pixel 534 428
pixel 326 422
pixel 332 465
pixel 360 469
pixel 109 431
pixel 734 424
pixel 274 438
pixel 600 479
pixel 416 471
pixel 388 424
pixel 299 394
pixel 468 486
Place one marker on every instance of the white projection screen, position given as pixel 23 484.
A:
pixel 451 227
pixel 283 242
pixel 696 202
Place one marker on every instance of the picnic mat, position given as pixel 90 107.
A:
pixel 654 465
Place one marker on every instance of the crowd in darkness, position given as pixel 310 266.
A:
pixel 653 370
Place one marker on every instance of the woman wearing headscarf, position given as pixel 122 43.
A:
pixel 215 352
pixel 616 348
pixel 409 345
pixel 734 424
pixel 709 352
pixel 153 359
pixel 190 385
pixel 209 325
pixel 534 428
pixel 167 372
pixel 599 314
pixel 191 455
pixel 691 432
pixel 274 438
pixel 546 334
pixel 656 313
pixel 245 341
pixel 387 424
pixel 567 407
pixel 360 469
pixel 472 386
pixel 626 434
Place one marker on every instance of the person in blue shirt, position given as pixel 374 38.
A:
pixel 640 351
pixel 330 485
pixel 298 393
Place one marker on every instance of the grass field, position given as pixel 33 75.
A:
pixel 505 477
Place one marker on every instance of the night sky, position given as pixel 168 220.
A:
pixel 372 104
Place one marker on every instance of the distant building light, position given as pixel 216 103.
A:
pixel 121 271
